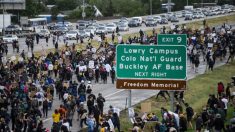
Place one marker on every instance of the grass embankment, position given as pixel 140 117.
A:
pixel 196 94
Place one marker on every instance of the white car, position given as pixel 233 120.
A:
pixel 66 24
pixel 123 27
pixel 157 18
pixel 124 21
pixel 10 38
pixel 43 33
pixel 72 34
pixel 91 29
pixel 100 30
pixel 111 27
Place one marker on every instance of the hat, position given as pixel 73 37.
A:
pixel 82 81
pixel 89 82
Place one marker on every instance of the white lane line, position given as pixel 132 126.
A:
pixel 114 93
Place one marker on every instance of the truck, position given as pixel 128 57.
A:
pixel 5 20
pixel 188 8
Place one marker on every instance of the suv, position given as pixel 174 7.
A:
pixel 13 28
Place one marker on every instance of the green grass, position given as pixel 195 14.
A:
pixel 196 94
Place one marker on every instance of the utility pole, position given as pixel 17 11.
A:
pixel 151 6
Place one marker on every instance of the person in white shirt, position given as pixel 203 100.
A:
pixel 65 125
pixel 225 101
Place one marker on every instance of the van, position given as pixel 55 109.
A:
pixel 138 19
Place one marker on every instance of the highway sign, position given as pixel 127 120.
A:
pixel 151 84
pixel 162 62
pixel 172 39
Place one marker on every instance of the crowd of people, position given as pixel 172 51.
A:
pixel 30 85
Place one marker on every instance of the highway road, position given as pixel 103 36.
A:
pixel 114 97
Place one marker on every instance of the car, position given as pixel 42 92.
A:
pixel 100 30
pixel 82 33
pixel 188 16
pixel 10 38
pixel 65 23
pixel 61 30
pixel 138 19
pixel 150 22
pixel 178 14
pixel 82 26
pixel 124 21
pixel 124 18
pixel 123 27
pixel 157 18
pixel 13 28
pixel 72 34
pixel 111 27
pixel 43 33
pixel 164 21
pixel 133 23
pixel 91 29
pixel 174 19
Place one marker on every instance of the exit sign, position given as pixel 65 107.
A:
pixel 172 39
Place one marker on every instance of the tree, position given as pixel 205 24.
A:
pixel 33 8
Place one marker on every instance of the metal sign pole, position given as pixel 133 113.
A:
pixel 129 98
pixel 172 100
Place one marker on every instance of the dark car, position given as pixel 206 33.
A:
pixel 133 23
pixel 13 28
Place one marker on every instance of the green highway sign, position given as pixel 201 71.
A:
pixel 172 39
pixel 160 62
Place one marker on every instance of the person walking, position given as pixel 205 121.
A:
pixel 189 113
pixel 45 107
pixel 100 102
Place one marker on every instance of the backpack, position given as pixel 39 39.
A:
pixel 190 111
pixel 39 96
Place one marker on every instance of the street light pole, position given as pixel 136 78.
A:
pixel 169 6
pixel 187 2
pixel 83 9
pixel 151 8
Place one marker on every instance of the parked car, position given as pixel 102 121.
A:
pixel 188 16
pixel 133 23
pixel 90 29
pixel 124 21
pixel 82 26
pixel 150 22
pixel 164 21
pixel 174 19
pixel 10 38
pixel 82 33
pixel 139 20
pixel 13 28
pixel 72 34
pixel 157 18
pixel 100 30
pixel 111 27
pixel 61 30
pixel 123 27
pixel 66 24
pixel 43 33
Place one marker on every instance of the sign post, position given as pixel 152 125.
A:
pixel 161 67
